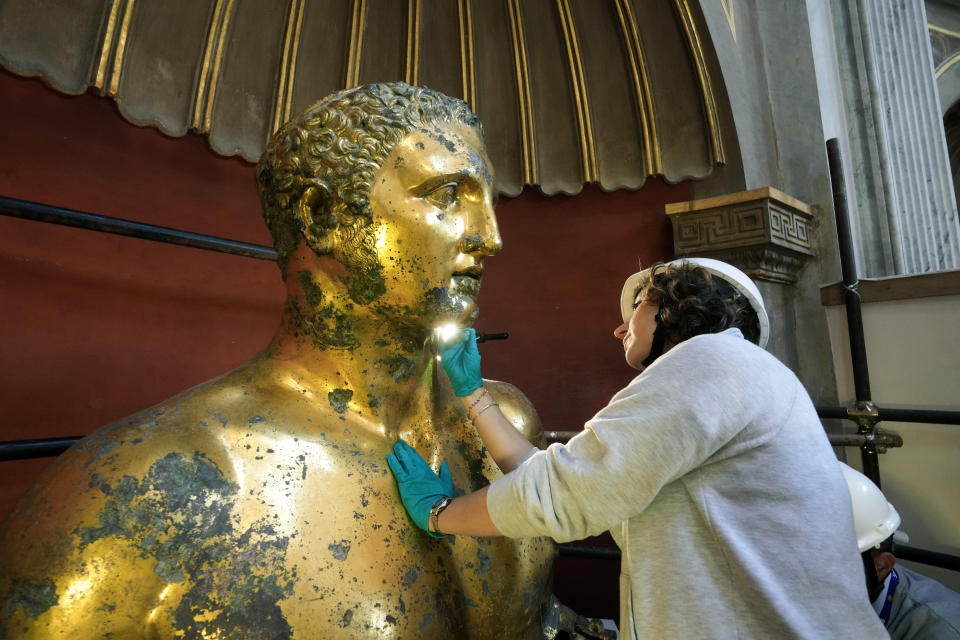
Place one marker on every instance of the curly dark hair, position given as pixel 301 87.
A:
pixel 336 146
pixel 692 302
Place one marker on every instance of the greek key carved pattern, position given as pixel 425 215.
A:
pixel 789 228
pixel 766 238
pixel 722 227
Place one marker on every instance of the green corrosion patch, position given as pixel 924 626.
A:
pixel 366 285
pixel 483 561
pixel 33 597
pixel 400 368
pixel 356 250
pixel 339 549
pixel 327 327
pixel 477 160
pixel 181 514
pixel 438 299
pixel 286 237
pixel 437 135
pixel 436 302
pixel 474 464
pixel 312 292
pixel 339 398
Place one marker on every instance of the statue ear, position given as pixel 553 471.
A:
pixel 315 219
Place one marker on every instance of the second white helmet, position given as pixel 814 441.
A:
pixel 874 519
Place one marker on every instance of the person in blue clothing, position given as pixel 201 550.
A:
pixel 911 606
pixel 710 469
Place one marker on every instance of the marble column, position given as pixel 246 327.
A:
pixel 921 207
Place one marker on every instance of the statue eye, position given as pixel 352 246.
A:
pixel 444 195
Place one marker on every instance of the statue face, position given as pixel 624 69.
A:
pixel 434 224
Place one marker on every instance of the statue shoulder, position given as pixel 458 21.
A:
pixel 518 409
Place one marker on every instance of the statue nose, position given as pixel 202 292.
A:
pixel 482 237
pixel 486 244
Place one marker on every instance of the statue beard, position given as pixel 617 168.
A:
pixel 356 250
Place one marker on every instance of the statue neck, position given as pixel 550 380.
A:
pixel 366 368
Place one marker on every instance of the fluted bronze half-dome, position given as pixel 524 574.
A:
pixel 605 91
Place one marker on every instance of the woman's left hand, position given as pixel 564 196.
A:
pixel 461 362
pixel 420 487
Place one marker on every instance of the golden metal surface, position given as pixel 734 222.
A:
pixel 213 35
pixel 413 42
pixel 587 152
pixel 217 65
pixel 703 77
pixel 106 47
pixel 293 60
pixel 259 504
pixel 121 48
pixel 516 61
pixel 357 26
pixel 946 64
pixel 524 97
pixel 468 74
pixel 288 65
pixel 641 83
pixel 944 31
pixel 212 63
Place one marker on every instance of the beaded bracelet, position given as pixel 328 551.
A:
pixel 483 394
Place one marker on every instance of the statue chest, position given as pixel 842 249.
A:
pixel 285 538
pixel 358 565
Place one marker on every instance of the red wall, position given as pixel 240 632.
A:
pixel 555 288
pixel 97 326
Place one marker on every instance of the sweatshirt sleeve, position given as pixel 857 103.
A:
pixel 666 422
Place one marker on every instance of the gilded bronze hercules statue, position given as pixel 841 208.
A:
pixel 258 505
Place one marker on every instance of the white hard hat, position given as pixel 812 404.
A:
pixel 737 279
pixel 874 519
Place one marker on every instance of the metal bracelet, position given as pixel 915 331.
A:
pixel 483 394
pixel 438 507
pixel 484 408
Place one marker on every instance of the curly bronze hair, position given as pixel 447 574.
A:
pixel 336 146
pixel 694 302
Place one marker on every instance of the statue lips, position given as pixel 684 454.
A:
pixel 467 281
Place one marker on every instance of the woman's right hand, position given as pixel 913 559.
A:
pixel 461 362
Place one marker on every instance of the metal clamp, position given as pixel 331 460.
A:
pixel 865 414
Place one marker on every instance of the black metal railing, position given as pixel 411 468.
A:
pixel 82 220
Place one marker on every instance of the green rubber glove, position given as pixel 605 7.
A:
pixel 461 361
pixel 420 487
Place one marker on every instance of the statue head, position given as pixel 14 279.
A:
pixel 393 182
pixel 316 172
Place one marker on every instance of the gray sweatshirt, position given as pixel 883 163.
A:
pixel 921 608
pixel 716 479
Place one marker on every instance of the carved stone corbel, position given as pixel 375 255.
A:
pixel 764 232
